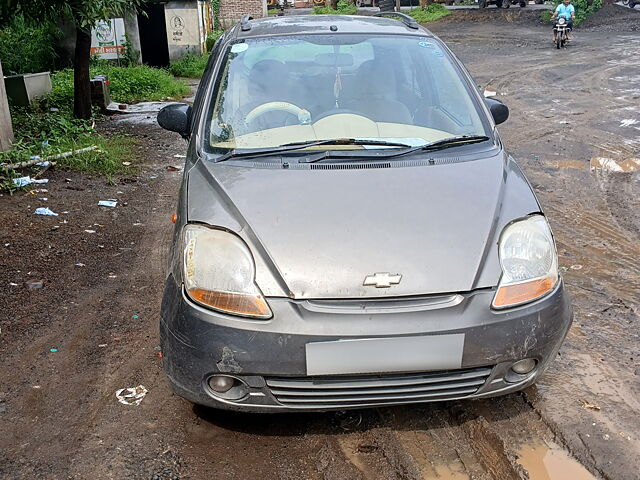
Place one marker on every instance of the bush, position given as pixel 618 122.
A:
pixel 26 48
pixel 212 38
pixel 191 66
pixel 344 8
pixel 128 84
pixel 584 10
pixel 431 13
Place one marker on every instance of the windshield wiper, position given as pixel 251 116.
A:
pixel 350 141
pixel 437 145
pixel 288 147
pixel 453 141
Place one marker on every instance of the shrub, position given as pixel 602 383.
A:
pixel 128 84
pixel 212 38
pixel 191 66
pixel 431 13
pixel 584 10
pixel 545 16
pixel 26 48
pixel 344 8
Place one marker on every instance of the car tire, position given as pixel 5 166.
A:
pixel 523 4
pixel 499 3
pixel 482 4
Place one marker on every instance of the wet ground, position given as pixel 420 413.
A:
pixel 574 129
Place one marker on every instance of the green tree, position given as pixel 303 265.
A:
pixel 84 14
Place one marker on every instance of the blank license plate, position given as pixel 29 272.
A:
pixel 378 355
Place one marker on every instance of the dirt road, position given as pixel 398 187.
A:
pixel 574 128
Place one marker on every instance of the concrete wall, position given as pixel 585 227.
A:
pixel 232 10
pixel 133 34
pixel 183 28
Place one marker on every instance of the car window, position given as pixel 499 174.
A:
pixel 277 90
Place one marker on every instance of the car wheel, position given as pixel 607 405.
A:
pixel 482 4
pixel 499 3
pixel 523 4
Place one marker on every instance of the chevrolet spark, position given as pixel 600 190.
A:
pixel 350 230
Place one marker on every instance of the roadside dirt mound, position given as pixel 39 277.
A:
pixel 504 16
pixel 613 18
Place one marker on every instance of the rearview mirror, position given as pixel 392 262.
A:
pixel 499 111
pixel 176 118
pixel 334 60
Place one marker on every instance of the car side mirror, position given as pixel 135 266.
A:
pixel 176 118
pixel 499 111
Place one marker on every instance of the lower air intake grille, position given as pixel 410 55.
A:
pixel 348 391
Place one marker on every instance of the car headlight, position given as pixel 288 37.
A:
pixel 219 273
pixel 529 262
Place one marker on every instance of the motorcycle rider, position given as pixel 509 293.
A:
pixel 567 11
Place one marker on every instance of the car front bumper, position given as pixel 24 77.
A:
pixel 271 357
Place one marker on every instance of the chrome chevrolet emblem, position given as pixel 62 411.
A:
pixel 382 280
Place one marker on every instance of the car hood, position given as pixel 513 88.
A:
pixel 318 231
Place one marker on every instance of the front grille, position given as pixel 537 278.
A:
pixel 352 391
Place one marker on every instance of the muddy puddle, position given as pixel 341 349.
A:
pixel 603 163
pixel 626 165
pixel 550 462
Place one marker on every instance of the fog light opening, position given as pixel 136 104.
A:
pixel 523 367
pixel 226 387
pixel 221 383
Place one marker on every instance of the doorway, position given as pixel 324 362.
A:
pixel 154 45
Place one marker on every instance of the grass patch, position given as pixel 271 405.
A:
pixel 433 12
pixel 273 11
pixel 191 66
pixel 344 8
pixel 45 134
pixel 128 85
pixel 545 16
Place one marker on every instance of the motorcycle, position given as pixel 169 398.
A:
pixel 561 30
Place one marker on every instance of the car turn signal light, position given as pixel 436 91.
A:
pixel 242 304
pixel 520 293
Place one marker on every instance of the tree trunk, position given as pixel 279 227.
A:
pixel 425 3
pixel 6 130
pixel 81 85
pixel 334 4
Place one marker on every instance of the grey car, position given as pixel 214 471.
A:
pixel 350 230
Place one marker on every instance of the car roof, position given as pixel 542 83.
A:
pixel 314 24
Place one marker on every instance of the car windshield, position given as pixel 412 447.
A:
pixel 279 90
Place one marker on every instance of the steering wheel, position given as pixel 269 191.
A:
pixel 303 115
pixel 338 111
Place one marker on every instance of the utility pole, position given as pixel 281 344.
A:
pixel 6 130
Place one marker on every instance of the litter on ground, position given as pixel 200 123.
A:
pixel 47 212
pixel 131 396
pixel 24 181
